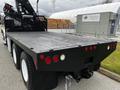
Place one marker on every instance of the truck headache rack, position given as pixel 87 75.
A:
pixel 24 19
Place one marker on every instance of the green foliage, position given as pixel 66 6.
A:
pixel 112 62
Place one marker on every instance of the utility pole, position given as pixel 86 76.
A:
pixel 53 2
pixel 37 11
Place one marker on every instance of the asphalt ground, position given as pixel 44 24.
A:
pixel 10 78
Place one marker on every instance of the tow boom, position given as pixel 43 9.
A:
pixel 24 19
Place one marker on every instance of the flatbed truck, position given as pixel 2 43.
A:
pixel 44 56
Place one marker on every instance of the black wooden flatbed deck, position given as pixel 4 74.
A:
pixel 46 41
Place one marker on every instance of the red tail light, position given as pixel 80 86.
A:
pixel 42 57
pixel 90 48
pixel 94 47
pixel 113 46
pixel 48 60
pixel 86 49
pixel 56 58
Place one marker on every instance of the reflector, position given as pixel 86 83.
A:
pixel 48 60
pixel 86 49
pixel 42 57
pixel 91 48
pixel 56 58
pixel 94 47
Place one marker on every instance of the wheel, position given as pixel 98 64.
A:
pixel 16 56
pixel 33 79
pixel 27 70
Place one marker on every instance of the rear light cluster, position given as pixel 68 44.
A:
pixel 90 48
pixel 111 46
pixel 55 58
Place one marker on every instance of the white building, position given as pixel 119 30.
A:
pixel 72 14
pixel 112 11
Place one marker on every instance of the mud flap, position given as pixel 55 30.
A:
pixel 45 81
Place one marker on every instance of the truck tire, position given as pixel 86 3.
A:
pixel 33 79
pixel 27 70
pixel 16 56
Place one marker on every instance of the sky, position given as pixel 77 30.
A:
pixel 46 6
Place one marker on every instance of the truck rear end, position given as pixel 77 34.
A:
pixel 75 59
pixel 53 55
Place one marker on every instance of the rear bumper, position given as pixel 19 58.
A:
pixel 77 59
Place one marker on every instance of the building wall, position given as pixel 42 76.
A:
pixel 97 28
pixel 60 24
